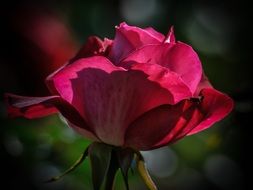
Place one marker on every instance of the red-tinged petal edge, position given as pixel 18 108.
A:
pixel 171 123
pixel 37 107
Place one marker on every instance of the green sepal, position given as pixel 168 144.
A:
pixel 100 156
pixel 144 172
pixel 125 158
pixel 72 168
pixel 112 171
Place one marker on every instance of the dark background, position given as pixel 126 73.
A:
pixel 39 36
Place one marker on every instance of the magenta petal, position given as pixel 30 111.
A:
pixel 215 107
pixel 112 101
pixel 61 81
pixel 169 123
pixel 130 38
pixel 200 116
pixel 179 58
pixel 36 107
pixel 154 125
pixel 30 107
pixel 159 36
pixel 169 80
pixel 109 97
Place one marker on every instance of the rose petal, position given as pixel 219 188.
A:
pixel 109 97
pixel 160 37
pixel 154 125
pixel 30 107
pixel 36 107
pixel 129 38
pixel 171 123
pixel 179 58
pixel 167 79
pixel 214 107
pixel 61 81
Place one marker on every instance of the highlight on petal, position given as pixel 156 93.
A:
pixel 129 38
pixel 159 36
pixel 170 38
pixel 179 58
pixel 108 97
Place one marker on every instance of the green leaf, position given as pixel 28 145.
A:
pixel 72 168
pixel 125 158
pixel 144 172
pixel 112 170
pixel 100 156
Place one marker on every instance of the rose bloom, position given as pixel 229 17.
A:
pixel 142 90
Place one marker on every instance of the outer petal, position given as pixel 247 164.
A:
pixel 154 125
pixel 129 38
pixel 167 124
pixel 36 107
pixel 179 58
pixel 167 79
pixel 109 97
pixel 61 82
pixel 30 107
pixel 215 106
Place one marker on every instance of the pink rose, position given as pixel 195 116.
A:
pixel 141 90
